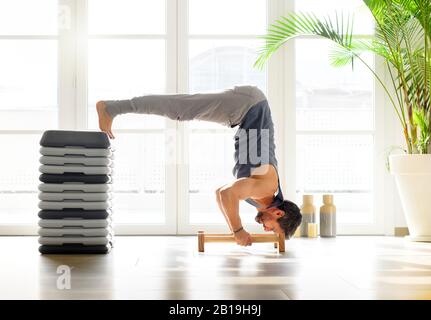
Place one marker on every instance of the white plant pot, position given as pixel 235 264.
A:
pixel 413 178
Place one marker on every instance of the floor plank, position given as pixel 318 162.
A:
pixel 159 267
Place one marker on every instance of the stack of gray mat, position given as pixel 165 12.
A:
pixel 75 192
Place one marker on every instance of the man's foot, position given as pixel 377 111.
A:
pixel 105 120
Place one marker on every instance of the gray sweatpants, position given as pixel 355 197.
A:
pixel 227 107
pixel 244 106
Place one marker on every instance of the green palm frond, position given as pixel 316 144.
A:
pixel 421 10
pixel 340 56
pixel 421 119
pixel 416 75
pixel 402 38
pixel 302 24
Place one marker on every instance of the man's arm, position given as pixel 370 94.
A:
pixel 221 207
pixel 229 197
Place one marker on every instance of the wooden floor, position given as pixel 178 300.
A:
pixel 171 268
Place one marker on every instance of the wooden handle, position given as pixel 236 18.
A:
pixel 277 239
pixel 281 242
pixel 201 241
pixel 230 238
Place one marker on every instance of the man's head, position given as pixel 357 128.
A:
pixel 284 218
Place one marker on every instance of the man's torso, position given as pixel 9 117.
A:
pixel 255 149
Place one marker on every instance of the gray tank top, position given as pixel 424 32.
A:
pixel 257 119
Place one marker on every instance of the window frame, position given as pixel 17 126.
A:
pixel 169 227
pixel 72 114
pixel 184 225
pixel 381 223
pixel 29 228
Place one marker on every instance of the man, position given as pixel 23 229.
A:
pixel 255 169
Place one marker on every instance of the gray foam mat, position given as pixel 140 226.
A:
pixel 75 249
pixel 85 205
pixel 76 151
pixel 87 170
pixel 78 196
pixel 86 241
pixel 82 232
pixel 75 177
pixel 65 138
pixel 76 187
pixel 76 160
pixel 74 214
pixel 79 223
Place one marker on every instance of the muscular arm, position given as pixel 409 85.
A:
pixel 218 198
pixel 240 189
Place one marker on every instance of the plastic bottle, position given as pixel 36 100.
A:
pixel 308 211
pixel 328 217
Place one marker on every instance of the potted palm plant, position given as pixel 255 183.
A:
pixel 402 38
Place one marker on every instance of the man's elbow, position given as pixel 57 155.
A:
pixel 227 194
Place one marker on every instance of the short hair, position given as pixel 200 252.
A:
pixel 292 218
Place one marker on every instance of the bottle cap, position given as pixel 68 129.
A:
pixel 328 198
pixel 307 198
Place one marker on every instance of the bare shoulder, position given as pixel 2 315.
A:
pixel 264 171
pixel 266 174
pixel 251 187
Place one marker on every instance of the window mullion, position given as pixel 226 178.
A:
pixel 67 64
pixel 287 96
pixel 81 116
pixel 183 217
pixel 171 174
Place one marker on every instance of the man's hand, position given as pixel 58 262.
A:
pixel 243 238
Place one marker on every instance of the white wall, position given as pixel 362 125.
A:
pixel 393 136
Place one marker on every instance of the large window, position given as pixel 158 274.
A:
pixel 335 127
pixel 59 57
pixel 219 57
pixel 127 58
pixel 28 101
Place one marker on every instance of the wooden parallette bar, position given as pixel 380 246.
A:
pixel 277 239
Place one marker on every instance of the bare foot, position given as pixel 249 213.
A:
pixel 105 120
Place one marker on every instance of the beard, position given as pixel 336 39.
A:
pixel 258 217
